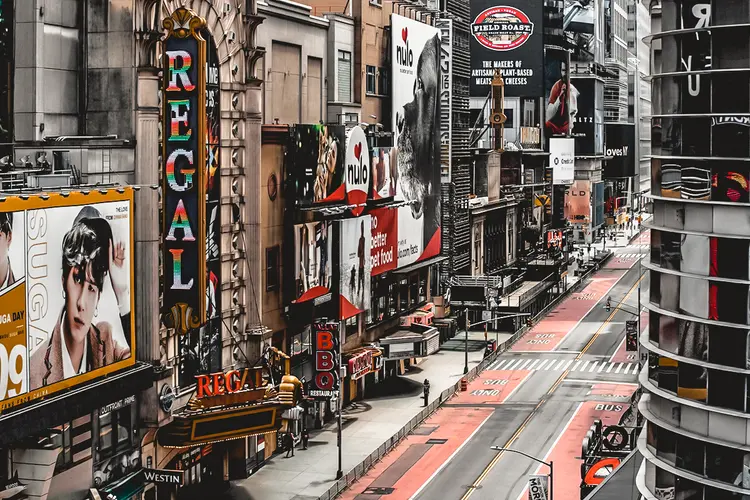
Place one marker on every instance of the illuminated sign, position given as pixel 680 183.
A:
pixel 360 365
pixel 183 174
pixel 325 382
pixel 229 382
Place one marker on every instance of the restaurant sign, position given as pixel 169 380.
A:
pixel 325 383
pixel 360 365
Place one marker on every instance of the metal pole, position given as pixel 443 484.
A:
pixel 551 481
pixel 339 472
pixel 466 342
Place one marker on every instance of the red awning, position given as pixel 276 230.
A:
pixel 313 293
pixel 347 309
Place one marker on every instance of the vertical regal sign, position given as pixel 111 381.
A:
pixel 183 177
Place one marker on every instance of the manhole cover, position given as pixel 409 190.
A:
pixel 376 490
pixel 436 441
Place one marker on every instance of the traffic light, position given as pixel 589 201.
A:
pixel 608 306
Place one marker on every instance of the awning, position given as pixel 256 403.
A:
pixel 127 487
pixel 420 265
pixel 347 309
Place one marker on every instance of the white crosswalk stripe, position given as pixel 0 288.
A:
pixel 573 365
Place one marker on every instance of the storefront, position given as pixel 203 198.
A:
pixel 406 343
pixel 363 369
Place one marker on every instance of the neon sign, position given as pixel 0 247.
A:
pixel 183 174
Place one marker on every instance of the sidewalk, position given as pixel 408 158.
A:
pixel 623 238
pixel 366 425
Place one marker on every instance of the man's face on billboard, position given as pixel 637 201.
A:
pixel 81 300
pixel 5 239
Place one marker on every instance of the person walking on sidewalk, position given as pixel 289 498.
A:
pixel 289 438
pixel 305 438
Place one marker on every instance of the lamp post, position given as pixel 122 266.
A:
pixel 548 464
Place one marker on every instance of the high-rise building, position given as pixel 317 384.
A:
pixel 695 392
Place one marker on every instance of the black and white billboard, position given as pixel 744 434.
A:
pixel 507 35
pixel 588 117
pixel 620 147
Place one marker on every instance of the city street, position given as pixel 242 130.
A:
pixel 540 398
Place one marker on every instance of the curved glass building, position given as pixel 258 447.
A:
pixel 695 400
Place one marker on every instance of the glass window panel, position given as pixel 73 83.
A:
pixel 694 254
pixel 726 389
pixel 666 442
pixel 690 454
pixel 724 464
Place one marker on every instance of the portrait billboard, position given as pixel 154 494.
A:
pixel 415 51
pixel 357 170
pixel 355 266
pixel 312 261
pixel 619 139
pixel 578 202
pixel 183 172
pixel 588 120
pixel 560 95
pixel 317 164
pixel 562 156
pixel 65 292
pixel 507 35
pixel 384 165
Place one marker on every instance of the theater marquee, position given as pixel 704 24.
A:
pixel 183 176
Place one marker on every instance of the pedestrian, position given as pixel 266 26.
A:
pixel 305 438
pixel 289 438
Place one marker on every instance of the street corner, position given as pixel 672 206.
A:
pixel 492 387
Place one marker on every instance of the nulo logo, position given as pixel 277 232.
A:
pixel 357 170
pixel 404 54
pixel 621 151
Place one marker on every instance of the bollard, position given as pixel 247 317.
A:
pixel 464 384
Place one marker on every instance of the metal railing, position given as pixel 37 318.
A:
pixel 361 468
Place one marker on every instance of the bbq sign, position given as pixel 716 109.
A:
pixel 357 170
pixel 502 28
pixel 325 382
pixel 183 184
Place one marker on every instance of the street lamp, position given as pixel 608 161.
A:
pixel 548 464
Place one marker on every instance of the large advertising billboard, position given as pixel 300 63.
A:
pixel 317 164
pixel 507 35
pixel 446 95
pixel 620 147
pixel 384 164
pixel 578 202
pixel 183 173
pixel 357 170
pixel 562 156
pixel 588 127
pixel 397 240
pixel 66 277
pixel 356 265
pixel 416 126
pixel 312 260
pixel 561 95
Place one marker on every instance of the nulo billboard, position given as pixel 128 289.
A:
pixel 66 277
pixel 183 184
pixel 356 265
pixel 416 125
pixel 326 378
pixel 357 167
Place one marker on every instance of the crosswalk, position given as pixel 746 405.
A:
pixel 629 255
pixel 573 365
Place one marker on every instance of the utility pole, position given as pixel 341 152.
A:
pixel 339 472
pixel 466 341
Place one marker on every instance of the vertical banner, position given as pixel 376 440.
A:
pixel 415 55
pixel 357 170
pixel 446 95
pixel 507 36
pixel 562 156
pixel 326 370
pixel 578 202
pixel 620 149
pixel 183 184
pixel 561 96
pixel 589 116
pixel 355 266
pixel 538 487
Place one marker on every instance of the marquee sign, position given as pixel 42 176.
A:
pixel 183 172
pixel 325 383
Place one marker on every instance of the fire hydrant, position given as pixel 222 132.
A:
pixel 426 391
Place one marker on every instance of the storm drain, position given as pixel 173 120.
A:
pixel 436 441
pixel 378 490
pixel 424 431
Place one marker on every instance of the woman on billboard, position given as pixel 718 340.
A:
pixel 78 345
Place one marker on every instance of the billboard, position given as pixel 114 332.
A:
pixel 588 128
pixel 415 57
pixel 507 36
pixel 183 174
pixel 562 156
pixel 65 291
pixel 561 96
pixel 446 94
pixel 326 378
pixel 355 266
pixel 317 164
pixel 357 170
pixel 312 261
pixel 620 146
pixel 384 165
pixel 578 202
pixel 397 240
pixel 538 487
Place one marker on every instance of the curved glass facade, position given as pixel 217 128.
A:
pixel 697 386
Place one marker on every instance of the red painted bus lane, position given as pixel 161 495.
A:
pixel 567 447
pixel 492 387
pixel 549 333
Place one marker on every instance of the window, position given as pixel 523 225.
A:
pixel 116 431
pixel 74 439
pixel 272 268
pixel 351 327
pixel 383 81
pixel 370 82
pixel 345 76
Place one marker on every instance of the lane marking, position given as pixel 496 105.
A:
pixel 593 367
pixel 544 362
pixel 524 365
pixel 601 367
pixel 611 358
pixel 534 364
pixel 589 381
pixel 619 367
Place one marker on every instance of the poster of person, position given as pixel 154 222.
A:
pixel 356 265
pixel 561 95
pixel 384 173
pixel 13 379
pixel 415 52
pixel 86 324
pixel 317 163
pixel 312 260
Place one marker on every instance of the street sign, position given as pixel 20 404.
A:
pixel 631 335
pixel 486 315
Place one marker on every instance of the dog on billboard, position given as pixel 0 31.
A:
pixel 419 142
pixel 324 175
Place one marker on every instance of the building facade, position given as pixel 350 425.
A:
pixel 695 389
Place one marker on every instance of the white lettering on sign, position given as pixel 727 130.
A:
pixel 537 341
pixel 608 407
pixel 485 392
pixel 501 381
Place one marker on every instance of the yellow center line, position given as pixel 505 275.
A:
pixel 516 434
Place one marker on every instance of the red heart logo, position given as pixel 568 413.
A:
pixel 358 149
pixel 404 34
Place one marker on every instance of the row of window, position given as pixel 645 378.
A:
pixel 706 385
pixel 702 255
pixel 718 135
pixel 671 486
pixel 700 180
pixel 376 81
pixel 712 461
pixel 703 218
pixel 391 298
pixel 719 345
